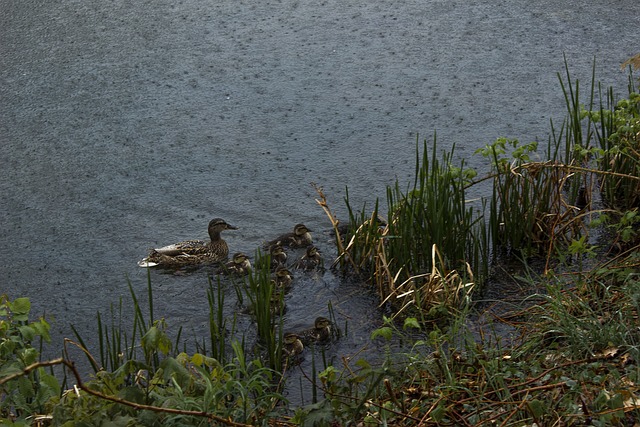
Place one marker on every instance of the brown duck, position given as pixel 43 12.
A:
pixel 192 252
pixel 310 260
pixel 320 332
pixel 299 238
pixel 238 266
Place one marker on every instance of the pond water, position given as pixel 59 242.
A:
pixel 127 125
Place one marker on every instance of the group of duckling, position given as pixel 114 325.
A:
pixel 197 252
pixel 294 343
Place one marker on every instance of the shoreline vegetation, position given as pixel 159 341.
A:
pixel 565 213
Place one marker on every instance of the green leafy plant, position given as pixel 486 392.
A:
pixel 30 394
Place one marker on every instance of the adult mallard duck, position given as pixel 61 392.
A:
pixel 320 332
pixel 299 238
pixel 192 252
pixel 238 266
pixel 310 260
pixel 291 345
pixel 282 278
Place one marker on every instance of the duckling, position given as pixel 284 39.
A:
pixel 192 252
pixel 277 305
pixel 321 331
pixel 310 260
pixel 282 278
pixel 291 345
pixel 278 256
pixel 299 238
pixel 239 265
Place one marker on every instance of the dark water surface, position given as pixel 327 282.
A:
pixel 126 125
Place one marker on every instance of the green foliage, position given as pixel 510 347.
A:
pixel 618 160
pixel 433 212
pixel 31 393
pixel 192 386
pixel 267 303
pixel 576 362
pixel 433 249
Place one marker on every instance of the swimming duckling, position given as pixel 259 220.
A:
pixel 282 278
pixel 278 256
pixel 291 345
pixel 277 304
pixel 239 265
pixel 321 331
pixel 310 260
pixel 192 252
pixel 299 238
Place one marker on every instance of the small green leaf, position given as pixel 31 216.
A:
pixel 411 322
pixel 537 409
pixel 197 359
pixel 385 332
pixel 362 363
pixel 27 332
pixel 20 306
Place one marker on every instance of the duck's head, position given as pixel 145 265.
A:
pixel 239 258
pixel 217 225
pixel 282 272
pixel 322 323
pixel 290 338
pixel 291 344
pixel 277 251
pixel 301 230
pixel 312 252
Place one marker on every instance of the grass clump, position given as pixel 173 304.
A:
pixel 417 259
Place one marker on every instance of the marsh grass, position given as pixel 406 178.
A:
pixel 220 332
pixel 425 254
pixel 436 247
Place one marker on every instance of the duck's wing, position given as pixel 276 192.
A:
pixel 188 247
pixel 283 240
pixel 155 259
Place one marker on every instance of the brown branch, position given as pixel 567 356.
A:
pixel 30 368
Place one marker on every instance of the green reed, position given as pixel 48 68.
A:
pixel 433 212
pixel 538 207
pixel 218 337
pixel 120 341
pixel 267 306
pixel 427 251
